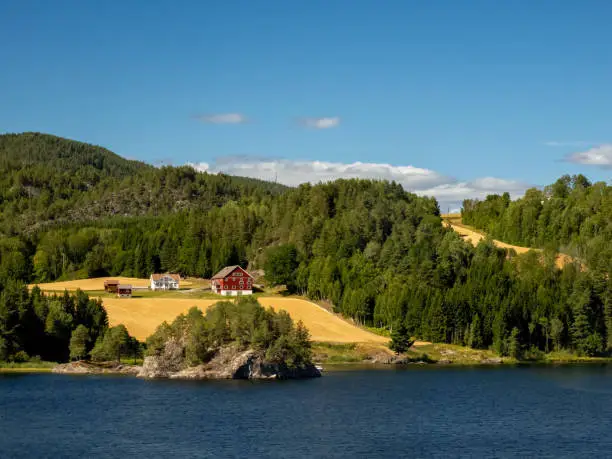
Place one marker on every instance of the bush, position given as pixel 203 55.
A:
pixel 21 357
pixel 592 345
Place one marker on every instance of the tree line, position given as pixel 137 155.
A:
pixel 572 215
pixel 57 328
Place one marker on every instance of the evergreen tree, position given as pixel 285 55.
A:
pixel 475 339
pixel 400 339
pixel 514 344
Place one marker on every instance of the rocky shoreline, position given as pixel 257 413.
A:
pixel 82 367
pixel 229 363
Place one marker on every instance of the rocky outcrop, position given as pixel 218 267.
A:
pixel 83 368
pixel 229 363
pixel 492 361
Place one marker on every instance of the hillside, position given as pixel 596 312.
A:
pixel 378 254
pixel 32 150
pixel 50 181
pixel 473 236
pixel 573 216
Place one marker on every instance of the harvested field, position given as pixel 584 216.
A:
pixel 323 325
pixel 96 283
pixel 474 237
pixel 141 316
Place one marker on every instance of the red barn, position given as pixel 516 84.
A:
pixel 111 285
pixel 124 291
pixel 232 281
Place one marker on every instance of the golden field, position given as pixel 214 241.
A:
pixel 474 237
pixel 141 316
pixel 96 283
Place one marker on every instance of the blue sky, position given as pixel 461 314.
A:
pixel 476 96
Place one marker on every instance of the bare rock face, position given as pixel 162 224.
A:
pixel 83 368
pixel 229 363
pixel 162 366
pixel 492 360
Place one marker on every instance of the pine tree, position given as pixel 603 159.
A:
pixel 514 344
pixel 581 328
pixel 475 340
pixel 608 318
pixel 400 339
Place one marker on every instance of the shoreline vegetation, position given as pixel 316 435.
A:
pixel 333 356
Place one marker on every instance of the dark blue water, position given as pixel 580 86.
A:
pixel 421 412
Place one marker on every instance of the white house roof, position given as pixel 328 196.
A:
pixel 156 277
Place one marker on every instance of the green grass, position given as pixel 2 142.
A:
pixel 454 354
pixel 337 353
pixel 565 356
pixel 379 331
pixel 31 366
pixel 74 275
pixel 182 293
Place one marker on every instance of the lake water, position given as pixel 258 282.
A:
pixel 416 412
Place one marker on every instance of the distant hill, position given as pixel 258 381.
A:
pixel 48 180
pixel 33 149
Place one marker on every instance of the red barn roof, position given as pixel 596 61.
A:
pixel 229 270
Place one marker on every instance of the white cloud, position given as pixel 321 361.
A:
pixel 321 123
pixel 476 189
pixel 223 118
pixel 597 156
pixel 293 173
pixel 425 182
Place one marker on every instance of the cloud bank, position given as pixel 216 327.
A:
pixel 320 123
pixel 222 118
pixel 425 182
pixel 597 156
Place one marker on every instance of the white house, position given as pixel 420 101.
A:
pixel 165 281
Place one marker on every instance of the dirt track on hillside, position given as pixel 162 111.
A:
pixel 474 237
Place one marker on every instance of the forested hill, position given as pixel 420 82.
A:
pixel 46 180
pixel 377 253
pixel 572 215
pixel 33 151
